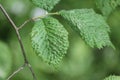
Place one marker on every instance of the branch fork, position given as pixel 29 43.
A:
pixel 26 62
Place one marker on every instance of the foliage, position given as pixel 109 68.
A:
pixel 107 6
pixel 49 40
pixel 91 26
pixel 45 4
pixel 112 78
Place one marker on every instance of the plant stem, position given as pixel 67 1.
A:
pixel 35 18
pixel 20 42
pixel 16 30
pixel 18 70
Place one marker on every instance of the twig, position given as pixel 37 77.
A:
pixel 30 68
pixel 35 18
pixel 20 42
pixel 15 72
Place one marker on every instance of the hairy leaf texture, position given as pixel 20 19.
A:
pixel 45 4
pixel 91 26
pixel 5 61
pixel 112 78
pixel 107 6
pixel 50 40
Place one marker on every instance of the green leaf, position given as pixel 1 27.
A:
pixel 45 4
pixel 49 40
pixel 5 61
pixel 112 78
pixel 107 6
pixel 91 26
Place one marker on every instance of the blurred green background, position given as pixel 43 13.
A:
pixel 81 62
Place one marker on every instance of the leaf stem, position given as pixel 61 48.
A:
pixel 35 18
pixel 20 42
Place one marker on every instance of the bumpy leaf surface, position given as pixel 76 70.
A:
pixel 112 78
pixel 5 61
pixel 45 4
pixel 91 26
pixel 107 6
pixel 49 40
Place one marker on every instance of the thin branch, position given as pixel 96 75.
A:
pixel 27 21
pixel 16 30
pixel 35 18
pixel 20 41
pixel 30 68
pixel 17 71
pixel 7 16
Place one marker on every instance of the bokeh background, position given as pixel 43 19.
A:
pixel 80 63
